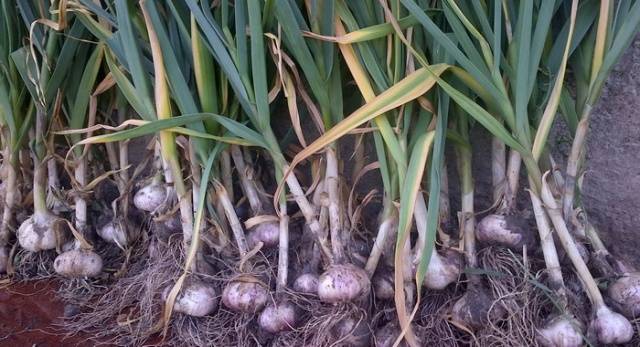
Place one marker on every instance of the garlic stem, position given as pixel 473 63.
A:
pixel 445 208
pixel 234 222
pixel 309 214
pixel 386 227
pixel 80 202
pixel 570 247
pixel 549 249
pixel 10 196
pixel 498 168
pixel 248 187
pixel 513 180
pixel 283 248
pixel 467 218
pixel 335 225
pixel 573 162
pixel 39 171
pixel 227 178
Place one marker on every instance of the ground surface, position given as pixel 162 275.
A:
pixel 29 314
pixel 612 182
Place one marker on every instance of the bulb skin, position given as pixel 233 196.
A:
pixel 625 293
pixel 196 298
pixel 561 331
pixel 306 283
pixel 36 233
pixel 114 233
pixel 610 327
pixel 78 263
pixel 475 308
pixel 443 270
pixel 278 317
pixel 268 233
pixel 150 197
pixel 352 331
pixel 343 283
pixel 245 295
pixel 383 286
pixel 506 231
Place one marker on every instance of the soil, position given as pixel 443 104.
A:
pixel 611 189
pixel 30 314
pixel 611 185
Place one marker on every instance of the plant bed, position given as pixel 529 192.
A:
pixel 310 172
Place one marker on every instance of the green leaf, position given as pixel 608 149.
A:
pixel 497 35
pixel 542 26
pixel 180 90
pixel 368 33
pixel 366 51
pixel 457 20
pixel 520 87
pixel 132 52
pixel 435 181
pixel 410 190
pixel 568 109
pixel 217 46
pixel 81 102
pixel 410 88
pixel 298 47
pixel 95 8
pixel 551 108
pixel 242 50
pixel 624 37
pixel 65 59
pixel 204 71
pixel 587 12
pixel 258 67
pixel 482 116
pixel 139 103
pixel 6 108
pixel 452 49
pixel 27 70
pixel 246 135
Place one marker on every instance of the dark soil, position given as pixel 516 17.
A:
pixel 612 179
pixel 30 313
pixel 611 185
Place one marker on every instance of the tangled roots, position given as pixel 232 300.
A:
pixel 516 285
pixel 224 328
pixel 79 291
pixel 511 284
pixel 635 341
pixel 513 287
pixel 433 327
pixel 336 325
pixel 33 265
pixel 128 313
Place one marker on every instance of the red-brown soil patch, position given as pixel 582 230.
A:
pixel 30 315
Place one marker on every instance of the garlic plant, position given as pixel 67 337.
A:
pixel 253 105
pixel 38 233
pixel 16 115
